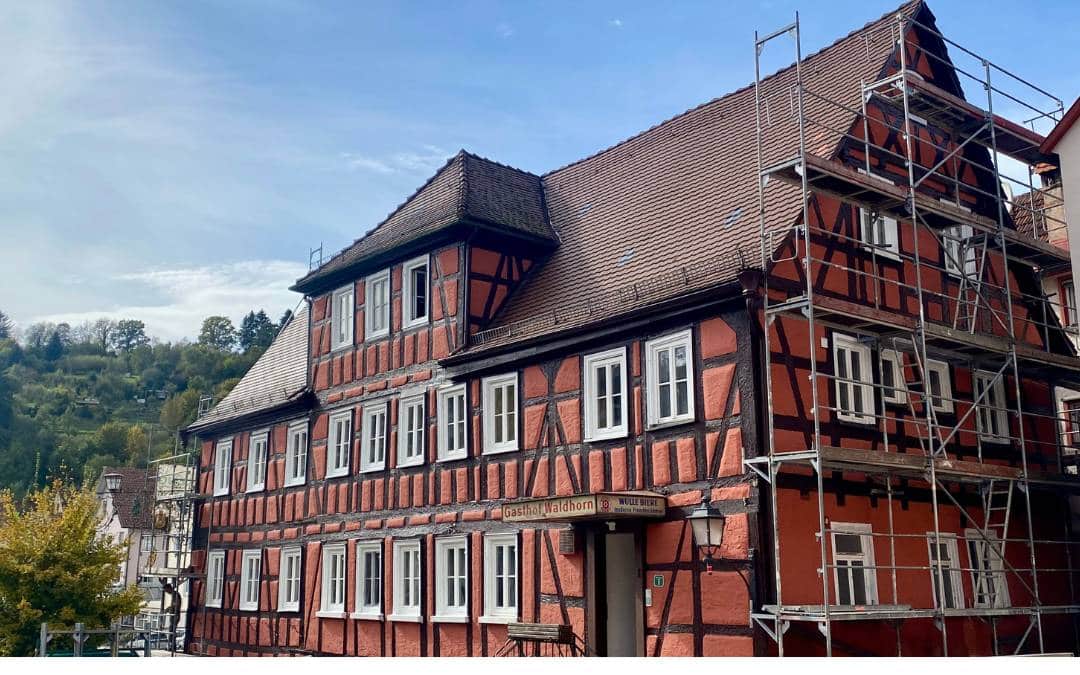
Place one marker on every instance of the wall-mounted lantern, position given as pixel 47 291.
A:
pixel 707 525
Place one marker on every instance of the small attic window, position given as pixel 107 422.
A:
pixel 625 258
pixel 733 217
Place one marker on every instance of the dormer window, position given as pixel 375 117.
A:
pixel 341 318
pixel 377 305
pixel 415 292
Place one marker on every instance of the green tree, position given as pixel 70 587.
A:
pixel 55 568
pixel 257 331
pixel 284 319
pixel 6 327
pixel 218 333
pixel 54 346
pixel 129 335
pixel 180 410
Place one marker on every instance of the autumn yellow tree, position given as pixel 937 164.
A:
pixel 56 568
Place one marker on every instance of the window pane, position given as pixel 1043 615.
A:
pixel 849 543
pixel 616 395
pixel 858 582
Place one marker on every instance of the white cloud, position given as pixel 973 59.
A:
pixel 181 297
pixel 615 23
pixel 425 160
pixel 504 29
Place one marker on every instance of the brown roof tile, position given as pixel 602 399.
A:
pixel 466 187
pixel 134 503
pixel 277 377
pixel 674 209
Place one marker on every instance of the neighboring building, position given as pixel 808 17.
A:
pixel 507 403
pixel 128 517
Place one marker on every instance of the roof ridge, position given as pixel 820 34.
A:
pixel 463 188
pixel 388 216
pixel 503 165
pixel 913 4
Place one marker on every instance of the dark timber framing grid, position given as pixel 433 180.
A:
pixel 907 198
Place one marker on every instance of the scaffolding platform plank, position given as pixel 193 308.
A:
pixel 949 111
pixel 881 195
pixel 917 466
pixel 816 613
pixel 860 316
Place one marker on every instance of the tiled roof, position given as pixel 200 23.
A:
pixel 674 209
pixel 1027 210
pixel 277 377
pixel 467 187
pixel 134 503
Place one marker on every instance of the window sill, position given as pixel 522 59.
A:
pixel 858 421
pixel 339 473
pixel 221 494
pixel 254 489
pixel 605 436
pixel 453 458
pixel 450 619
pixel 503 620
pixel 323 614
pixel 213 605
pixel 375 337
pixel 500 451
pixel 406 618
pixel 672 422
pixel 410 463
pixel 288 610
pixel 881 252
pixel 372 469
pixel 248 608
pixel 341 347
pixel 419 322
pixel 366 616
pixel 294 483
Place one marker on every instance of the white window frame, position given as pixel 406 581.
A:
pixel 864 531
pixel 410 612
pixel 605 360
pixel 215 578
pixel 370 331
pixel 953 239
pixel 417 405
pixel 408 291
pixel 456 548
pixel 510 582
pixel 287 581
pixel 365 610
pixel 375 434
pixel 944 373
pixel 951 566
pixel 899 385
pixel 890 246
pixel 342 317
pixel 250 578
pixel 339 442
pixel 508 422
pixel 146 543
pixel 653 348
pixel 460 417
pixel 296 457
pixel 864 383
pixel 991 407
pixel 1068 304
pixel 327 608
pixel 223 467
pixel 986 567
pixel 256 465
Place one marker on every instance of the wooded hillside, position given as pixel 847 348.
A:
pixel 76 399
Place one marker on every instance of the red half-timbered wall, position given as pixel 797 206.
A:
pixel 691 611
pixel 844 269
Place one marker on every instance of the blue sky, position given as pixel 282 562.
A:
pixel 168 161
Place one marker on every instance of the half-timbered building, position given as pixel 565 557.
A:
pixel 792 312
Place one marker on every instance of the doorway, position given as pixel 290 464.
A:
pixel 619 595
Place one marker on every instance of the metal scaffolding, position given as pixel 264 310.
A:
pixel 959 201
pixel 173 482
